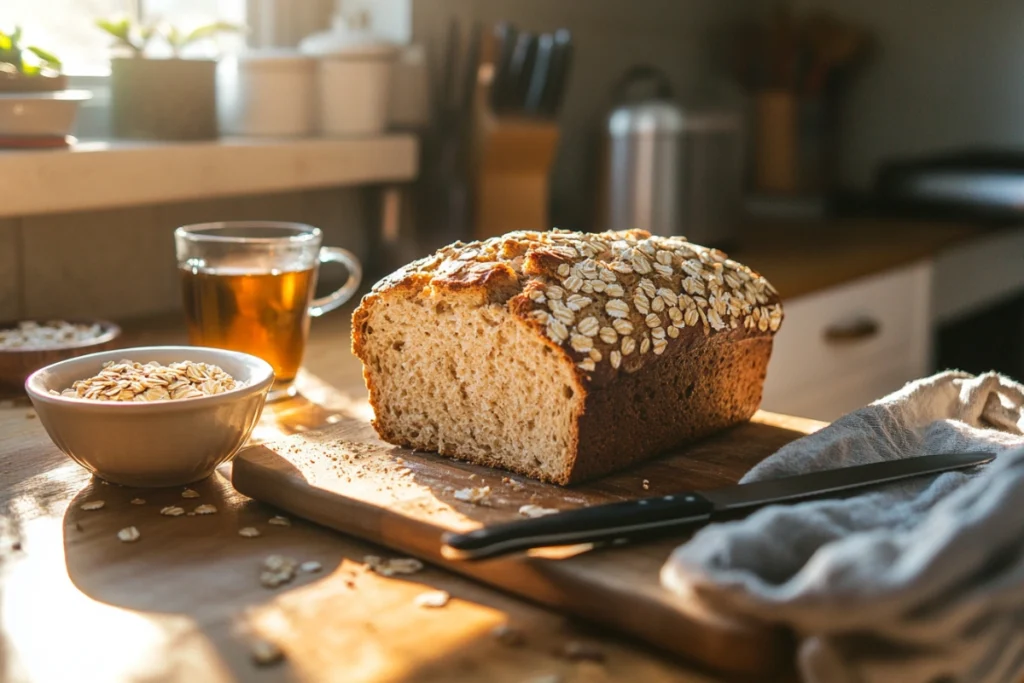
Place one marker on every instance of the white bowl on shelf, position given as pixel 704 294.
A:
pixel 40 114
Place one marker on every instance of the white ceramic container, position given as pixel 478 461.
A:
pixel 269 93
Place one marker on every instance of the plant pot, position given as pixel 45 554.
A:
pixel 163 99
pixel 33 115
pixel 19 82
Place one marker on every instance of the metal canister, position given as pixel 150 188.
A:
pixel 671 170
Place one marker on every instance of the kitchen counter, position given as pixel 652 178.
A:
pixel 800 258
pixel 183 603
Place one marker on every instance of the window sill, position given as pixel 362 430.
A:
pixel 101 175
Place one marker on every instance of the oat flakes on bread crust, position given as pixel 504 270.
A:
pixel 564 355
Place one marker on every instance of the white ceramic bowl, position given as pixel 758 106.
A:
pixel 40 113
pixel 158 443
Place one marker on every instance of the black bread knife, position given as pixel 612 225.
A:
pixel 664 515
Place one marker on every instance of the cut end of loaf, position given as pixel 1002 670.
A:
pixel 472 382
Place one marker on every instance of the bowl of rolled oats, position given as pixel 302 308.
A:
pixel 152 416
pixel 27 345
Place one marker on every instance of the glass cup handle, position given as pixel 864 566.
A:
pixel 339 296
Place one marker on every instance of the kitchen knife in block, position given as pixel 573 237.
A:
pixel 558 74
pixel 540 79
pixel 652 517
pixel 505 43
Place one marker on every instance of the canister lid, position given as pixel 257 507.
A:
pixel 348 38
pixel 652 117
pixel 273 58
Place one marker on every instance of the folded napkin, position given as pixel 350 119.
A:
pixel 917 582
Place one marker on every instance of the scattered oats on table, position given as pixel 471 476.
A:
pixel 205 509
pixel 129 534
pixel 277 570
pixel 92 505
pixel 536 511
pixel 476 496
pixel 509 635
pixel 138 501
pixel 265 653
pixel 172 511
pixel 55 333
pixel 278 520
pixel 311 566
pixel 189 493
pixel 127 380
pixel 432 599
pixel 249 532
pixel 646 484
pixel 397 565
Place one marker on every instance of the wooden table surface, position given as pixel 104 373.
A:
pixel 185 603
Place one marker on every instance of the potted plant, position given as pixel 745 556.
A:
pixel 36 110
pixel 27 68
pixel 162 99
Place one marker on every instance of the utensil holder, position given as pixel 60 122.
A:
pixel 793 144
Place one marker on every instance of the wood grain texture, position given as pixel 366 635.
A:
pixel 178 605
pixel 347 479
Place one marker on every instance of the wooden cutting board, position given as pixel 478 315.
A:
pixel 345 478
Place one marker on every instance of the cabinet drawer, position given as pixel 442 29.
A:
pixel 866 337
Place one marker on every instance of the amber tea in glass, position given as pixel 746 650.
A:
pixel 249 287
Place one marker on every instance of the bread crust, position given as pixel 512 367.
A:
pixel 698 355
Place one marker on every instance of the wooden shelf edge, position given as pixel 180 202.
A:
pixel 102 175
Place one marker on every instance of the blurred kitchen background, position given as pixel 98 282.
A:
pixel 864 155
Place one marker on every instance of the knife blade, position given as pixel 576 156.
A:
pixel 520 70
pixel 661 515
pixel 558 73
pixel 540 78
pixel 505 38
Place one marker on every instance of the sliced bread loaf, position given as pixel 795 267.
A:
pixel 563 356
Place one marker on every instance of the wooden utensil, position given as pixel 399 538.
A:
pixel 835 48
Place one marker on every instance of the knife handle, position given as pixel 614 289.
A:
pixel 626 520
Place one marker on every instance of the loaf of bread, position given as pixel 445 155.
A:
pixel 561 355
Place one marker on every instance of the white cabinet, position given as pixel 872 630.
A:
pixel 844 347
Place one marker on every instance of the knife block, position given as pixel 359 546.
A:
pixel 511 168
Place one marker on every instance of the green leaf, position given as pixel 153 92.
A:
pixel 5 42
pixel 119 28
pixel 210 30
pixel 174 37
pixel 16 36
pixel 48 58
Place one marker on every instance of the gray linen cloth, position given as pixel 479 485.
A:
pixel 916 582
